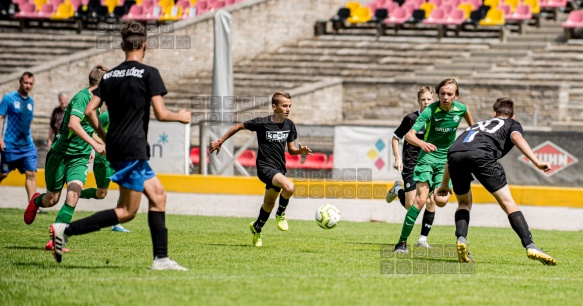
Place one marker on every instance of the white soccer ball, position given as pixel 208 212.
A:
pixel 327 216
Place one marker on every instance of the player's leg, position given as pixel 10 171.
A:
pixel 30 161
pixel 287 190
pixel 460 171
pixel 422 192
pixel 271 194
pixel 427 221
pixel 103 172
pixel 55 167
pixel 394 192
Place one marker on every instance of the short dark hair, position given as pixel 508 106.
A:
pixel 447 82
pixel 26 74
pixel 504 106
pixel 96 74
pixel 133 35
pixel 278 95
pixel 423 90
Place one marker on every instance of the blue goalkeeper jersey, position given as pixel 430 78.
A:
pixel 18 115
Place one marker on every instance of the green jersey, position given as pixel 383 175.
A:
pixel 104 121
pixel 440 129
pixel 68 143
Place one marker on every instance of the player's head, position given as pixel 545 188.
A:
pixel 281 103
pixel 134 36
pixel 63 99
pixel 425 96
pixel 447 91
pixel 504 107
pixel 25 82
pixel 96 74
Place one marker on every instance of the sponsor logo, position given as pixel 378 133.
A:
pixel 443 130
pixel 553 154
pixel 277 136
pixel 17 105
pixel 123 73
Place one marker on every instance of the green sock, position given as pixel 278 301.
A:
pixel 409 222
pixel 38 201
pixel 89 193
pixel 65 214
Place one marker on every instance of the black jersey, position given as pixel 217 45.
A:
pixel 490 136
pixel 272 138
pixel 410 152
pixel 128 90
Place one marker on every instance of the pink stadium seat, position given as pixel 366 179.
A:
pixel 436 2
pixel 147 4
pixel 507 9
pixel 373 6
pixel 46 11
pixel 453 3
pixel 437 17
pixel 183 3
pixel 553 3
pixel 379 3
pixel 575 20
pixel 409 8
pixel 391 6
pixel 397 16
pixel 447 7
pixel 136 13
pixel 247 158
pixel 455 17
pixel 195 157
pixel 292 161
pixel 217 5
pixel 229 2
pixel 522 12
pixel 330 163
pixel 76 4
pixel 315 161
pixel 56 3
pixel 27 10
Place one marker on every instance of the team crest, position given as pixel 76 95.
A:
pixel 17 105
pixel 456 118
pixel 29 106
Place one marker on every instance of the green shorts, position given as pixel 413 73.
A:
pixel 61 169
pixel 430 172
pixel 103 173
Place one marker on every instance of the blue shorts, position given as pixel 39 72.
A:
pixel 23 161
pixel 132 174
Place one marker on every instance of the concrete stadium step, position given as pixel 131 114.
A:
pixel 71 45
pixel 455 73
pixel 531 76
pixel 386 63
pixel 331 72
pixel 12 63
pixel 319 43
pixel 537 37
pixel 48 37
pixel 374 53
pixel 519 45
pixel 480 66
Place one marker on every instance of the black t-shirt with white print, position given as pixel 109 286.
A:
pixel 410 152
pixel 128 90
pixel 491 137
pixel 272 138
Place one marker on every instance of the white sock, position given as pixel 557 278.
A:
pixel 422 238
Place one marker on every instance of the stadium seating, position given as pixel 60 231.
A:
pixel 512 3
pixel 314 161
pixel 574 21
pixel 436 17
pixel 247 158
pixel 330 164
pixel 467 8
pixel 292 161
pixel 361 15
pixel 195 156
pixel 64 11
pixel 494 17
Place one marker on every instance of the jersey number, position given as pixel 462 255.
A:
pixel 484 127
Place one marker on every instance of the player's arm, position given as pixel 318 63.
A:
pixel 163 114
pixel 75 126
pixel 216 145
pixel 51 136
pixel 91 116
pixel 468 118
pixel 411 138
pixel 523 146
pixel 291 148
pixel 395 146
pixel 2 145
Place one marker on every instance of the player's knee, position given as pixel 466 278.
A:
pixel 30 175
pixel 289 188
pixel 72 198
pixel 126 215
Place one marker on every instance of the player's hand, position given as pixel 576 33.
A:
pixel 100 149
pixel 305 150
pixel 546 167
pixel 443 191
pixel 92 156
pixel 184 116
pixel 428 147
pixel 215 146
pixel 2 145
pixel 398 165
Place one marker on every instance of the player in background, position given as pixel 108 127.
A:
pixel 477 152
pixel 406 165
pixel 129 90
pixel 273 133
pixel 17 150
pixel 441 120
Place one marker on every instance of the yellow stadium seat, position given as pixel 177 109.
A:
pixel 192 2
pixel 362 14
pixel 492 3
pixel 428 7
pixel 353 6
pixel 111 4
pixel 64 11
pixel 40 3
pixel 467 8
pixel 494 17
pixel 534 5
pixel 174 13
pixel 513 4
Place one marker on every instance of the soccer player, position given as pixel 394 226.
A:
pixel 102 171
pixel 67 160
pixel 441 120
pixel 273 133
pixel 17 149
pixel 425 96
pixel 128 90
pixel 477 152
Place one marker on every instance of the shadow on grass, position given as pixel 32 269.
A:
pixel 51 265
pixel 230 245
pixel 25 248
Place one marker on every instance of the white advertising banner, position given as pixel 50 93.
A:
pixel 360 147
pixel 169 147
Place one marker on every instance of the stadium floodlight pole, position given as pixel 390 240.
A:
pixel 222 89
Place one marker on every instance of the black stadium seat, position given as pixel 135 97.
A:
pixel 380 15
pixel 342 15
pixel 418 16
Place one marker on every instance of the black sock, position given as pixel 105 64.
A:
pixel 520 226
pixel 282 205
pixel 159 233
pixel 428 217
pixel 401 195
pixel 462 221
pixel 92 223
pixel 263 217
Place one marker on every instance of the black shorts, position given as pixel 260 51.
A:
pixel 408 182
pixel 482 165
pixel 266 176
